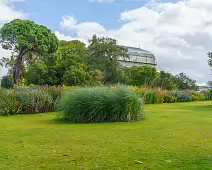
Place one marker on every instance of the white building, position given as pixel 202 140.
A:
pixel 138 57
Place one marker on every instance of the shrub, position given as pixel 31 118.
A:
pixel 8 103
pixel 100 104
pixel 25 101
pixel 195 98
pixel 54 91
pixel 35 101
pixel 182 96
pixel 168 98
pixel 208 94
pixel 7 82
pixel 150 97
pixel 198 96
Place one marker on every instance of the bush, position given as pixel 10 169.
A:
pixel 182 96
pixel 198 96
pixel 35 101
pixel 54 91
pixel 208 94
pixel 25 101
pixel 8 103
pixel 100 104
pixel 7 82
pixel 168 98
pixel 150 97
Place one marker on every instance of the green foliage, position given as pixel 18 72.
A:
pixel 24 37
pixel 103 55
pixel 198 96
pixel 100 104
pixel 72 58
pixel 168 98
pixel 156 95
pixel 183 82
pixel 182 96
pixel 35 101
pixel 98 77
pixel 25 101
pixel 36 73
pixel 77 77
pixel 165 81
pixel 27 36
pixel 150 97
pixel 144 75
pixel 8 103
pixel 54 91
pixel 7 82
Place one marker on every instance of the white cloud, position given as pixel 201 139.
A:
pixel 204 4
pixel 102 1
pixel 85 29
pixel 8 13
pixel 68 38
pixel 179 34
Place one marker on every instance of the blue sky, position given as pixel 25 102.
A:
pixel 178 32
pixel 50 12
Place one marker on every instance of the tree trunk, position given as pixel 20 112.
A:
pixel 17 68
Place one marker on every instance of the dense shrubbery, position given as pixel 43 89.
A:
pixel 40 99
pixel 7 82
pixel 100 104
pixel 182 96
pixel 153 96
pixel 25 101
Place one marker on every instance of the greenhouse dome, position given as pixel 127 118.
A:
pixel 138 57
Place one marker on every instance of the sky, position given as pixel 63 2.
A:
pixel 178 32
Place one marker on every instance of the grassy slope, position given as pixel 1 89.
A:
pixel 175 136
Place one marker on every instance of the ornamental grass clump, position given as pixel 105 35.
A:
pixel 100 104
pixel 25 101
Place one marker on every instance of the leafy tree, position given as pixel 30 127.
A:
pixel 103 55
pixel 143 75
pixel 67 66
pixel 183 82
pixel 165 81
pixel 77 77
pixel 43 71
pixel 210 59
pixel 71 53
pixel 24 37
pixel 98 77
pixel 36 73
pixel 72 62
pixel 209 84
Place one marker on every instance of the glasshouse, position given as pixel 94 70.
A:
pixel 138 57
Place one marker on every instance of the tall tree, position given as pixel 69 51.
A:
pixel 72 63
pixel 104 54
pixel 210 59
pixel 143 75
pixel 165 81
pixel 23 37
pixel 209 84
pixel 183 82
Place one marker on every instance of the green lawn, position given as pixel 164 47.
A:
pixel 174 136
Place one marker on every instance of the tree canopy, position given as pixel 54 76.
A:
pixel 39 58
pixel 183 82
pixel 104 54
pixel 23 37
pixel 144 75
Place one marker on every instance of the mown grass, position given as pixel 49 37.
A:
pixel 174 136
